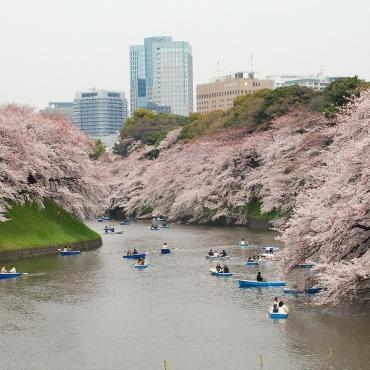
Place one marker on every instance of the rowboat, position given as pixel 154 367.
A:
pixel 274 249
pixel 165 250
pixel 224 274
pixel 68 252
pixel 276 315
pixel 154 229
pixel 140 267
pixel 135 256
pixel 124 223
pixel 306 291
pixel 251 263
pixel 254 283
pixel 216 256
pixel 305 265
pixel 9 275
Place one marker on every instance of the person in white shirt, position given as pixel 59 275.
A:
pixel 3 270
pixel 283 308
pixel 13 270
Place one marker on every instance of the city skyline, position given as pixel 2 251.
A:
pixel 50 55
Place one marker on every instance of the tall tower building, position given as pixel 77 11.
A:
pixel 99 113
pixel 137 77
pixel 168 67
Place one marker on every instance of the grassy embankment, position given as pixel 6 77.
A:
pixel 32 227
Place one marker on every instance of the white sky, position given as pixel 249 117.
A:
pixel 50 49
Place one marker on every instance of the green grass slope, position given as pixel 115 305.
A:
pixel 32 227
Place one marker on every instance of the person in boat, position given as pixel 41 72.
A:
pixel 250 259
pixel 211 253
pixel 106 229
pixel 13 270
pixel 271 250
pixel 218 268
pixel 226 269
pixel 275 308
pixel 112 228
pixel 223 253
pixel 65 249
pixel 140 261
pixel 283 308
pixel 3 270
pixel 165 246
pixel 243 241
pixel 259 277
pixel 75 248
pixel 135 251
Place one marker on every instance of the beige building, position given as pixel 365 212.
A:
pixel 221 92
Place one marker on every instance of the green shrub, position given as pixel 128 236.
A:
pixel 338 92
pixel 147 209
pixel 98 150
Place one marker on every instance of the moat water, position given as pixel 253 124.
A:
pixel 94 311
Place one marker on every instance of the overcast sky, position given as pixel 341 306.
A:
pixel 50 49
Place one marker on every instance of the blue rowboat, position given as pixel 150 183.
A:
pixel 165 250
pixel 306 291
pixel 217 256
pixel 135 256
pixel 9 275
pixel 68 253
pixel 100 220
pixel 140 267
pixel 254 283
pixel 224 274
pixel 251 263
pixel 306 265
pixel 275 315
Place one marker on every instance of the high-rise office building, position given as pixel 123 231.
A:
pixel 64 109
pixel 137 77
pixel 99 113
pixel 168 68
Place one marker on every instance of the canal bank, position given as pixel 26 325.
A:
pixel 32 231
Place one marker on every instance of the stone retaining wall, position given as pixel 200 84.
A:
pixel 35 252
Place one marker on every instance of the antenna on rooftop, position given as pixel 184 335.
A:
pixel 218 68
pixel 251 73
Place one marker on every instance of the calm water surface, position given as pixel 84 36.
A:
pixel 95 311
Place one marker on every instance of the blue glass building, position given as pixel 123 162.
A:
pixel 165 68
pixel 137 77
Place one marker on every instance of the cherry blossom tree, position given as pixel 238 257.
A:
pixel 44 156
